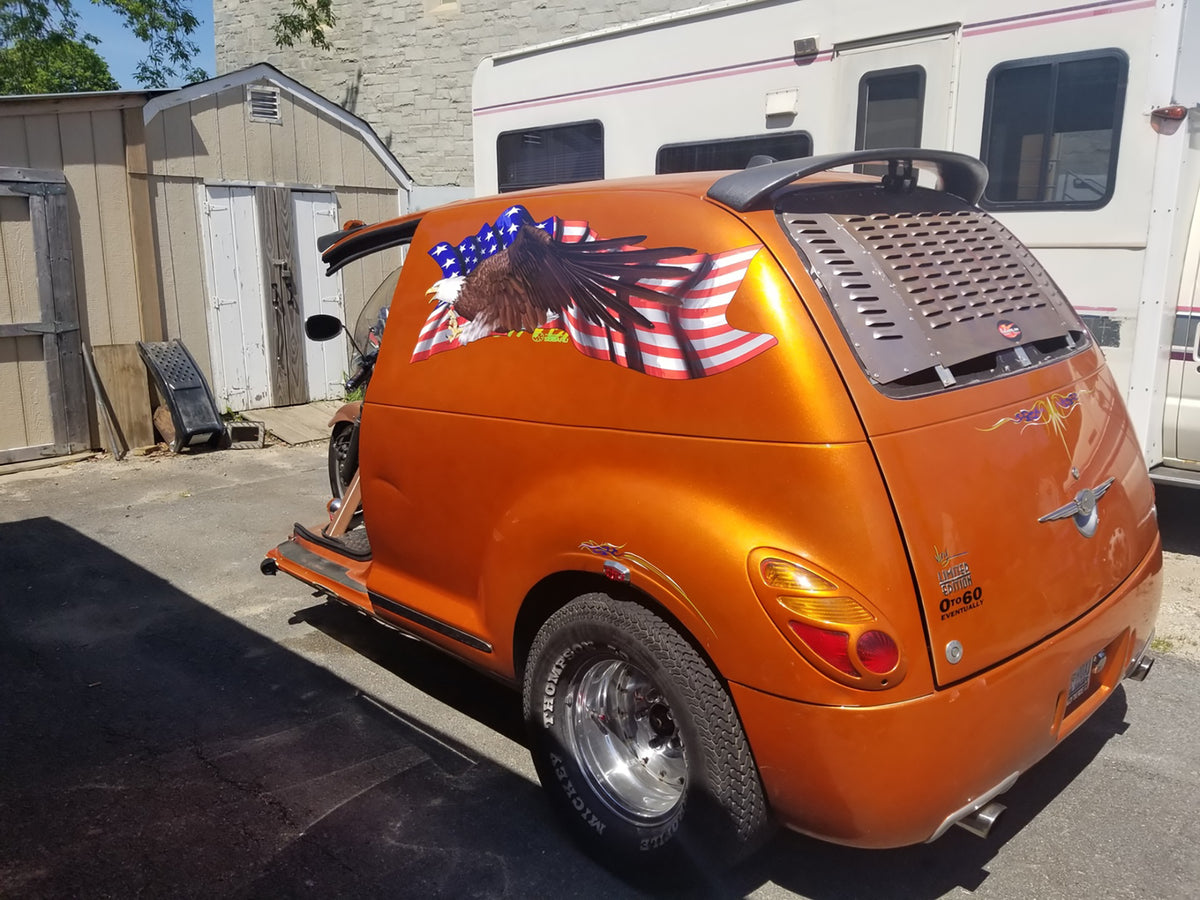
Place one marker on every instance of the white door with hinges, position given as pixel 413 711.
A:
pixel 235 309
pixel 314 213
pixel 902 87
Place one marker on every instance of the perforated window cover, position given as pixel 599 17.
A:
pixel 913 289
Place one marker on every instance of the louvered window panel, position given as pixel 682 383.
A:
pixel 263 104
pixel 559 154
pixel 920 292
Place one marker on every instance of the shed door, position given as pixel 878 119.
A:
pixel 236 327
pixel 43 404
pixel 315 214
pixel 285 332
pixel 902 88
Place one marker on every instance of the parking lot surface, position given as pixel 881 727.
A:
pixel 175 724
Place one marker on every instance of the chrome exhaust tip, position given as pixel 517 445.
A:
pixel 1141 667
pixel 980 822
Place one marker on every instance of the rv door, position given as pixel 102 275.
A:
pixel 1181 421
pixel 902 87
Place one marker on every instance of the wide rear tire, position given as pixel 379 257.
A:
pixel 636 740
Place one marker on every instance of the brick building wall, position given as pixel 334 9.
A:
pixel 406 67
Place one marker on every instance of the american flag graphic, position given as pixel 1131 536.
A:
pixel 688 341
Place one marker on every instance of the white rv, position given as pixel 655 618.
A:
pixel 1085 113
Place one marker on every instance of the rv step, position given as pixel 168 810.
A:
pixel 1170 475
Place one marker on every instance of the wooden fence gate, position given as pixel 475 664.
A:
pixel 43 400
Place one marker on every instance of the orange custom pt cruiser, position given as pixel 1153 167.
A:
pixel 772 491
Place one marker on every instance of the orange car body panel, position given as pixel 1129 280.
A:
pixel 516 457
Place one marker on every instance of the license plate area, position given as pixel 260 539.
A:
pixel 1085 678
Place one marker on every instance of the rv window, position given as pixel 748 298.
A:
pixel 535 157
pixel 891 104
pixel 1184 337
pixel 731 153
pixel 1051 129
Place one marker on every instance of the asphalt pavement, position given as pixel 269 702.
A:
pixel 175 724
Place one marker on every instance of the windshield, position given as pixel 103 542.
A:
pixel 368 328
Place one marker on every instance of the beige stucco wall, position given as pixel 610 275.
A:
pixel 406 66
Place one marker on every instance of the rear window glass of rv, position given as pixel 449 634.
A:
pixel 891 104
pixel 560 154
pixel 1051 129
pixel 731 153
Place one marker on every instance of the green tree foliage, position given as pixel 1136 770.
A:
pixel 52 65
pixel 42 49
pixel 45 34
pixel 307 21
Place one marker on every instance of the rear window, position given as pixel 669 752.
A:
pixel 931 293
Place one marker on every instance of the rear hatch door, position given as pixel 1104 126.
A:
pixel 1019 487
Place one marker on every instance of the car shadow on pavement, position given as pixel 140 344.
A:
pixel 152 746
pixel 424 667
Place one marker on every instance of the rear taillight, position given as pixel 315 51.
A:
pixel 833 626
pixel 877 651
pixel 831 646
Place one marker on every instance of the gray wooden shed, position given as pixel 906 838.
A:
pixel 191 214
pixel 245 171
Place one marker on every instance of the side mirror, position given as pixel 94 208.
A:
pixel 322 327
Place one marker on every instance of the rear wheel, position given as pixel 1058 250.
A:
pixel 635 738
pixel 339 449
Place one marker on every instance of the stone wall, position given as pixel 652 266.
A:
pixel 406 67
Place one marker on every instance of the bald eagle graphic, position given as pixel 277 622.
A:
pixel 654 310
pixel 537 278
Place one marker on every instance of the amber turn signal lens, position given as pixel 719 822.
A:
pixel 779 573
pixel 877 651
pixel 827 609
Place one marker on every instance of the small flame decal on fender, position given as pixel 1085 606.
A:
pixel 610 551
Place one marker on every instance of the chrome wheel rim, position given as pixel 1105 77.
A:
pixel 625 737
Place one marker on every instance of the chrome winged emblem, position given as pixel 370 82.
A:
pixel 1082 509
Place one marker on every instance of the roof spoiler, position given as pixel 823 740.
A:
pixel 962 175
pixel 338 248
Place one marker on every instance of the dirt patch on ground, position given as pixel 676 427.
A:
pixel 1178 630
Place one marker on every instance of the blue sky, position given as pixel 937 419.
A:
pixel 123 52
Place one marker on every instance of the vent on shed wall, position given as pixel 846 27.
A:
pixel 262 103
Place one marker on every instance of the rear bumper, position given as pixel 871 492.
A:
pixel 888 776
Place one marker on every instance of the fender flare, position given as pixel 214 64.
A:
pixel 348 412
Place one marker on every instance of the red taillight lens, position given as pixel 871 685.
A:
pixel 877 651
pixel 831 646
